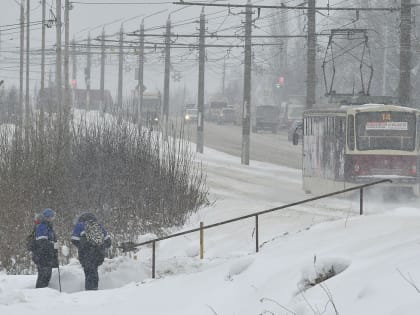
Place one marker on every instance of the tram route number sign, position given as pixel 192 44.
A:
pixel 387 125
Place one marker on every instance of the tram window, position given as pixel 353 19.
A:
pixel 325 125
pixel 350 132
pixel 340 126
pixel 311 127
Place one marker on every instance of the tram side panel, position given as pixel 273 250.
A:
pixel 323 154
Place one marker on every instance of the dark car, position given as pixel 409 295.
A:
pixel 191 115
pixel 267 117
pixel 227 116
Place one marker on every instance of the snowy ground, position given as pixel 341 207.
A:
pixel 371 254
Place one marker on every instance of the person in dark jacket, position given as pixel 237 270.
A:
pixel 91 240
pixel 45 253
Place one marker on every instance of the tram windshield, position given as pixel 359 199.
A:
pixel 385 131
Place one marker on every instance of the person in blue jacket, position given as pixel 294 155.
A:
pixel 45 251
pixel 91 240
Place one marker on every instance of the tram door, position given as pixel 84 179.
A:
pixel 340 133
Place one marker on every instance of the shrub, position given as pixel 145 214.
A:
pixel 133 179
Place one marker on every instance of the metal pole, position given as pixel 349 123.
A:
pixel 19 112
pixel 87 74
pixel 224 76
pixel 141 71
pixel 58 61
pixel 200 100
pixel 167 72
pixel 43 47
pixel 153 259
pixel 120 70
pixel 74 59
pixel 28 41
pixel 385 61
pixel 361 201
pixel 311 57
pixel 246 109
pixel 102 87
pixel 66 64
pixel 201 240
pixel 405 53
pixel 257 245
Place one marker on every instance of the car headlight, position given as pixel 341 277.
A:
pixel 187 117
pixel 156 119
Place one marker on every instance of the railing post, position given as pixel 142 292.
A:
pixel 153 259
pixel 201 240
pixel 256 234
pixel 361 201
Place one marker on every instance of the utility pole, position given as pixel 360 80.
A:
pixel 200 101
pixel 311 57
pixel 102 86
pixel 19 112
pixel 67 103
pixel 385 61
pixel 87 73
pixel 224 76
pixel 120 71
pixel 405 53
pixel 167 71
pixel 74 70
pixel 58 62
pixel 74 59
pixel 246 109
pixel 27 98
pixel 43 46
pixel 141 72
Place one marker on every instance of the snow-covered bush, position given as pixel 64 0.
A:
pixel 133 179
pixel 321 270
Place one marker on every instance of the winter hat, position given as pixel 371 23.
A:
pixel 48 213
pixel 87 216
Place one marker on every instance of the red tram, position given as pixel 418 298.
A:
pixel 358 144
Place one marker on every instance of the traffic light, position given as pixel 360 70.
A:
pixel 280 83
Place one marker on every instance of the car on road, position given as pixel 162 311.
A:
pixel 190 115
pixel 227 116
pixel 266 118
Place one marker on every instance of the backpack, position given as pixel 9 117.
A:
pixel 93 233
pixel 30 240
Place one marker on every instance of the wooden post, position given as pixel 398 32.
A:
pixel 153 259
pixel 256 234
pixel 201 240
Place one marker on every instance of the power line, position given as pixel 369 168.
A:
pixel 259 7
pixel 122 3
pixel 215 36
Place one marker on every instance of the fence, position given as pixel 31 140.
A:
pixel 129 246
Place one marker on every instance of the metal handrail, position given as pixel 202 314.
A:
pixel 129 246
